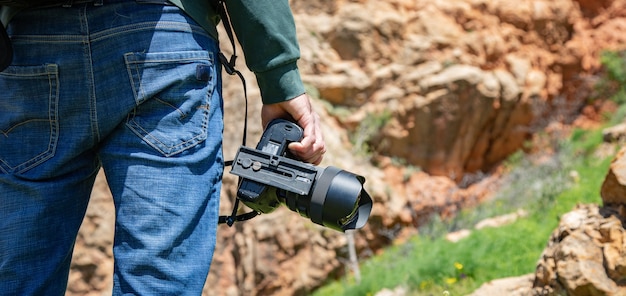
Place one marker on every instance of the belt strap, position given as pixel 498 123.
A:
pixel 30 3
pixel 6 49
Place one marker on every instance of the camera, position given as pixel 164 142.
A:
pixel 270 176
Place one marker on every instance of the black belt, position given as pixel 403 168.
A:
pixel 6 49
pixel 17 3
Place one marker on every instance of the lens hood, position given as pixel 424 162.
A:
pixel 339 200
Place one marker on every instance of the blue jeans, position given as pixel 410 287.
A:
pixel 134 89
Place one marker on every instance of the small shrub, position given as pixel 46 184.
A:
pixel 367 131
pixel 613 85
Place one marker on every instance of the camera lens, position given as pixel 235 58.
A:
pixel 339 200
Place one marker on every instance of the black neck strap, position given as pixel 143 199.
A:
pixel 229 67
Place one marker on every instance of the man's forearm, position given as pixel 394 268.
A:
pixel 266 31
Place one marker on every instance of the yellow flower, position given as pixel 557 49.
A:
pixel 424 285
pixel 458 265
pixel 451 281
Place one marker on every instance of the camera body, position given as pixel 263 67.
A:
pixel 330 197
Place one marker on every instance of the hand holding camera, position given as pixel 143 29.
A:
pixel 330 197
pixel 311 147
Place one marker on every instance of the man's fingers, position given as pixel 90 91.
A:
pixel 311 148
pixel 312 154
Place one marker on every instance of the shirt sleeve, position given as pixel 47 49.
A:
pixel 267 34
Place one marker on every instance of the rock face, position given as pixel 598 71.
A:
pixel 586 255
pixel 449 88
pixel 614 186
pixel 464 82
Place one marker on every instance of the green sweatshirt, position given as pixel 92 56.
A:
pixel 266 31
pixel 267 34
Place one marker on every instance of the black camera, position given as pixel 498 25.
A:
pixel 330 197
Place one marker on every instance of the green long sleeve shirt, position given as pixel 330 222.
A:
pixel 266 31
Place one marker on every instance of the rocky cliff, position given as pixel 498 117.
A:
pixel 436 92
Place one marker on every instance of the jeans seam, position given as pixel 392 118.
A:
pixel 149 26
pixel 172 150
pixel 54 122
pixel 131 69
pixel 93 112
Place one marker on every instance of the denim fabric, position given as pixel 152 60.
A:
pixel 134 89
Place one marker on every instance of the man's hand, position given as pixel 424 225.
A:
pixel 312 147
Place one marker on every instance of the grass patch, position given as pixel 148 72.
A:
pixel 429 267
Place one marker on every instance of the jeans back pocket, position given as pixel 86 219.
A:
pixel 29 129
pixel 173 93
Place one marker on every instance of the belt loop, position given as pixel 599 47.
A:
pixel 98 3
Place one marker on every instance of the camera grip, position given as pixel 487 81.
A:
pixel 277 136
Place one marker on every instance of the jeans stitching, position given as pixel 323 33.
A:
pixel 131 75
pixel 134 68
pixel 149 26
pixel 93 103
pixel 51 71
pixel 112 33
pixel 54 123
pixel 172 150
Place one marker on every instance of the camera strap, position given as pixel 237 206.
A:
pixel 229 67
pixel 229 64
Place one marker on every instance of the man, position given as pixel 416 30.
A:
pixel 133 87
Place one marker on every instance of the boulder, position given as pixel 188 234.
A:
pixel 585 255
pixel 613 189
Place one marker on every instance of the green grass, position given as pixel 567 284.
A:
pixel 430 265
